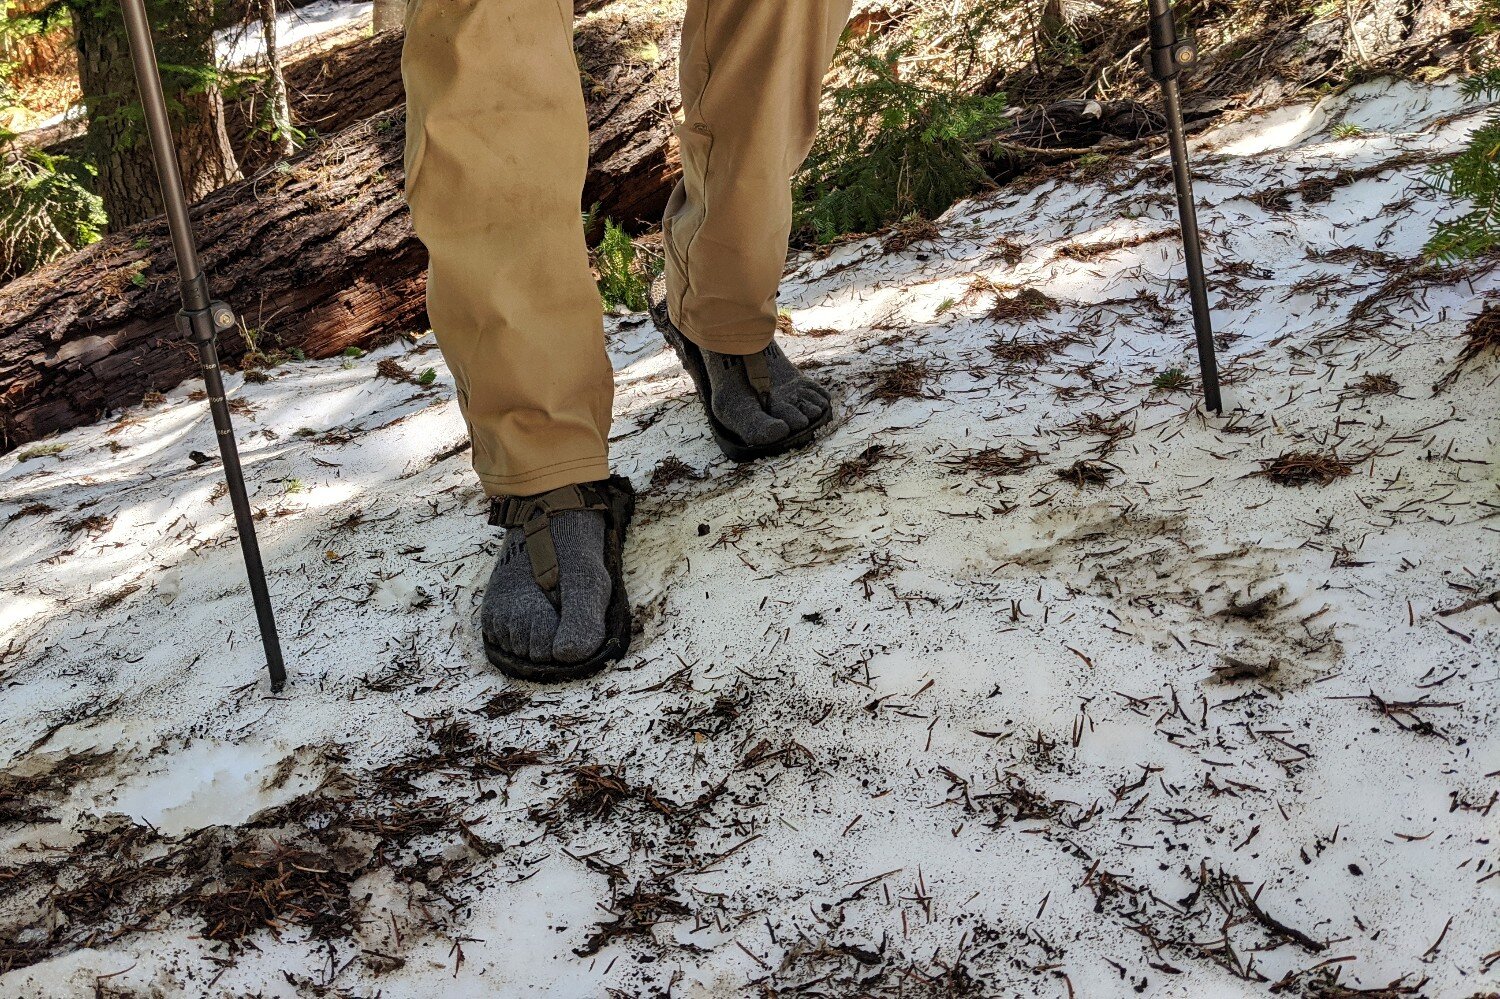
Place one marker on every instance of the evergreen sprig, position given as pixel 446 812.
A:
pixel 46 210
pixel 621 281
pixel 1473 175
pixel 894 145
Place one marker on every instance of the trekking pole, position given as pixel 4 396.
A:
pixel 201 319
pixel 1169 56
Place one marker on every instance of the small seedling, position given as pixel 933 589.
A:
pixel 427 377
pixel 49 450
pixel 1347 130
pixel 353 352
pixel 623 283
pixel 293 486
pixel 945 305
pixel 1170 380
pixel 141 243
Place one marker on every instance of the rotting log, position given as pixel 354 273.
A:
pixel 319 257
pixel 316 254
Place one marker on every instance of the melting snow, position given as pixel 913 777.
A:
pixel 963 708
pixel 241 45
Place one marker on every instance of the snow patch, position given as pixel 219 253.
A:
pixel 901 708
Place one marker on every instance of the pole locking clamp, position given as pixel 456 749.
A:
pixel 223 317
pixel 1170 55
pixel 204 325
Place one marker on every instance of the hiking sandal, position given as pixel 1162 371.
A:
pixel 615 499
pixel 757 373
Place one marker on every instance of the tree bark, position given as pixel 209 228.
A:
pixel 116 140
pixel 317 255
pixel 320 258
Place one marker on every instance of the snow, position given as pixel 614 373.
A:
pixel 242 45
pixel 962 719
pixel 205 783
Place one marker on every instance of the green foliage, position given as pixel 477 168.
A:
pixel 890 148
pixel 1170 380
pixel 264 125
pixel 1347 130
pixel 899 138
pixel 46 210
pixel 1473 175
pixel 622 281
pixel 591 221
pixel 427 377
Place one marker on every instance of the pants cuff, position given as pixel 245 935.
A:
pixel 748 342
pixel 546 479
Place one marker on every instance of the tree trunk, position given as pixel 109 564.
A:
pixel 388 15
pixel 117 141
pixel 283 139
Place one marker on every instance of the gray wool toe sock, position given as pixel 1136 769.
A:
pixel 517 614
pixel 737 404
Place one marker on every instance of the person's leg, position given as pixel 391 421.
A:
pixel 496 155
pixel 752 75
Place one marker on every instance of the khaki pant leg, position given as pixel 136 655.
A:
pixel 496 155
pixel 752 75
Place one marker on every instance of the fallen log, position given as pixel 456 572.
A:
pixel 328 91
pixel 317 257
pixel 316 253
pixel 631 102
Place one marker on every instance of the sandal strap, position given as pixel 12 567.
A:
pixel 532 513
pixel 758 370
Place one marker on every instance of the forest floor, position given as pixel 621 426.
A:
pixel 1032 679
